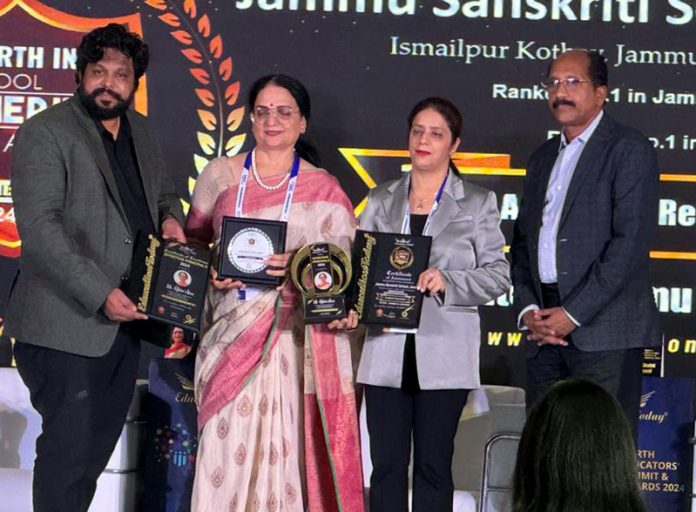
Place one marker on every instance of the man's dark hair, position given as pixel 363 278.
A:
pixel 596 69
pixel 113 36
pixel 576 454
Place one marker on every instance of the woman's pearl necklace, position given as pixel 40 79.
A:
pixel 258 178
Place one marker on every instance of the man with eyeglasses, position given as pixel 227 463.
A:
pixel 580 252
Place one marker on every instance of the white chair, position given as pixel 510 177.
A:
pixel 505 414
pixel 498 468
pixel 20 425
pixel 117 486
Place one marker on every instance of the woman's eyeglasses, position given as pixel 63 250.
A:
pixel 281 112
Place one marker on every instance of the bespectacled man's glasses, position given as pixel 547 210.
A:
pixel 281 112
pixel 571 84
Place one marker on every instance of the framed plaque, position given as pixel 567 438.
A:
pixel 244 244
pixel 322 273
pixel 386 267
pixel 168 282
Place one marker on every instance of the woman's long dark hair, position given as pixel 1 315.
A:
pixel 298 91
pixel 576 454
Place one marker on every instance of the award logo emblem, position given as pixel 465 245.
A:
pixel 322 273
pixel 248 248
pixel 245 244
pixel 402 256
pixel 386 267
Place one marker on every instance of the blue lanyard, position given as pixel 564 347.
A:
pixel 406 224
pixel 243 180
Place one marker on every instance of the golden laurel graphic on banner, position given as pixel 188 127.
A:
pixel 219 116
pixel 44 75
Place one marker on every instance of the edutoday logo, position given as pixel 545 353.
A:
pixel 649 415
pixel 175 444
pixel 185 395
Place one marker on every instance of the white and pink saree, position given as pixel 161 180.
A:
pixel 277 409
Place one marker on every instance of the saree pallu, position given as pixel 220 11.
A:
pixel 277 411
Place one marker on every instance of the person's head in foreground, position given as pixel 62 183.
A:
pixel 576 454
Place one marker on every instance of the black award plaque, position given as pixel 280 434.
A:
pixel 386 267
pixel 321 272
pixel 168 282
pixel 244 244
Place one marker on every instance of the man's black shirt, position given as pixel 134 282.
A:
pixel 124 165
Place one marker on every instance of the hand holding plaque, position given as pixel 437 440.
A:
pixel 321 272
pixel 168 282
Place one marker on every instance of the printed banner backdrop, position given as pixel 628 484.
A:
pixel 664 452
pixel 365 63
pixel 172 436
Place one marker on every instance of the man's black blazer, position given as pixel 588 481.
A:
pixel 603 242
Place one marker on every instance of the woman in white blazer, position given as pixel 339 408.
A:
pixel 417 384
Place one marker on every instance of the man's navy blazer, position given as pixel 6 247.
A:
pixel 603 242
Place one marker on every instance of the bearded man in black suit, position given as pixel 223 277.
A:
pixel 87 176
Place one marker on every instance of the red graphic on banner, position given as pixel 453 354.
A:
pixel 37 70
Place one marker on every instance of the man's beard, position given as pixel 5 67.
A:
pixel 102 113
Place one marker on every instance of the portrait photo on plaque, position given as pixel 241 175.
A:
pixel 168 282
pixel 245 244
pixel 386 267
pixel 321 272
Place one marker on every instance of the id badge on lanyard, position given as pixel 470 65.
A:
pixel 250 292
pixel 406 230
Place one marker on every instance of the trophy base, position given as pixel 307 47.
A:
pixel 324 309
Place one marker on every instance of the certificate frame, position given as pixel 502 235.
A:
pixel 244 243
pixel 168 281
pixel 386 267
